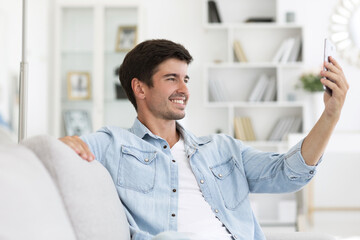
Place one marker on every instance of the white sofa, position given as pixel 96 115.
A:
pixel 48 192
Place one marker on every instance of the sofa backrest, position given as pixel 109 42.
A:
pixel 87 190
pixel 30 203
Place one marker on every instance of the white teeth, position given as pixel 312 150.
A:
pixel 178 101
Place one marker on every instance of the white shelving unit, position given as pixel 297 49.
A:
pixel 260 42
pixel 85 41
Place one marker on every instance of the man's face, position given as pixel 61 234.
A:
pixel 168 96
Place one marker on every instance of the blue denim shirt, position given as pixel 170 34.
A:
pixel 145 174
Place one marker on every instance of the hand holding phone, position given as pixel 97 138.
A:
pixel 329 51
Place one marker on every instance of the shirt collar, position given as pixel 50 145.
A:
pixel 141 131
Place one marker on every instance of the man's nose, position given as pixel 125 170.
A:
pixel 183 87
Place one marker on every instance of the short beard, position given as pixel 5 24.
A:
pixel 173 116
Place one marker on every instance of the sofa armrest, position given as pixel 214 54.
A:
pixel 30 204
pixel 86 188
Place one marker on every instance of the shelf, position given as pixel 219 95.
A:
pixel 112 100
pixel 276 223
pixel 241 65
pixel 76 52
pixel 254 104
pixel 109 52
pixel 86 39
pixel 230 84
pixel 251 26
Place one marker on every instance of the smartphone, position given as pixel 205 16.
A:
pixel 329 50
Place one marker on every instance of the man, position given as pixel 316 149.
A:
pixel 170 180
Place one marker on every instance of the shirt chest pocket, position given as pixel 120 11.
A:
pixel 137 169
pixel 231 182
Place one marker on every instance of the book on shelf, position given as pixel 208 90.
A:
pixel 296 50
pixel 289 46
pixel 285 126
pixel 270 92
pixel 239 52
pixel 289 50
pixel 213 12
pixel 239 129
pixel 244 129
pixel 218 91
pixel 280 52
pixel 249 130
pixel 259 19
pixel 264 90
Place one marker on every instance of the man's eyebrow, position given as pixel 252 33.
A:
pixel 174 75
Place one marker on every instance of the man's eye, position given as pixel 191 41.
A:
pixel 171 79
pixel 186 80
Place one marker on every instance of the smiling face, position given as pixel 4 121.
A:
pixel 168 96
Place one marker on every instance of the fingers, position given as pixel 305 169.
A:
pixel 335 63
pixel 79 146
pixel 335 74
pixel 328 83
pixel 335 67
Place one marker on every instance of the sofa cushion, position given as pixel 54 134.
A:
pixel 30 204
pixel 87 189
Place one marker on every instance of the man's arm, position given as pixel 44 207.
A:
pixel 79 146
pixel 315 142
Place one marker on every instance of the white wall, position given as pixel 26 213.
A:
pixel 177 20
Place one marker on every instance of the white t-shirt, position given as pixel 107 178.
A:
pixel 194 214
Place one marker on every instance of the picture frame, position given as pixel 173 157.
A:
pixel 77 122
pixel 78 85
pixel 126 38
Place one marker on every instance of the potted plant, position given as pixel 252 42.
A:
pixel 310 82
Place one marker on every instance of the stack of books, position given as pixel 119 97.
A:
pixel 285 126
pixel 243 129
pixel 264 90
pixel 289 51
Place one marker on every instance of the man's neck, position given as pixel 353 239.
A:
pixel 166 129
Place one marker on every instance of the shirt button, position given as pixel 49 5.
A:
pixel 165 147
pixel 174 190
pixel 202 181
pixel 311 172
pixel 220 175
pixel 146 160
pixel 216 210
pixel 173 160
pixel 173 215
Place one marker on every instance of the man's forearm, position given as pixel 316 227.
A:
pixel 315 142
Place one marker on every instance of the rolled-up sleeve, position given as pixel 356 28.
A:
pixel 296 166
pixel 277 173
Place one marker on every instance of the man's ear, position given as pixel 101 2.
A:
pixel 138 88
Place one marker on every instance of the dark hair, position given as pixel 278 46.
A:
pixel 142 62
